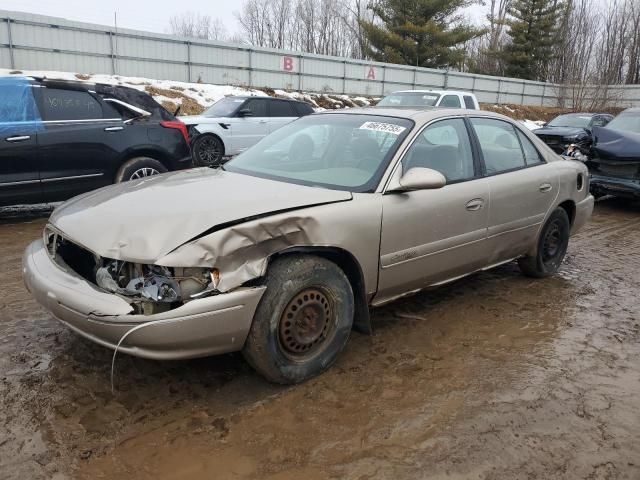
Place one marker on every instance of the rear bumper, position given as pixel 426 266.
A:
pixel 584 209
pixel 207 326
pixel 602 185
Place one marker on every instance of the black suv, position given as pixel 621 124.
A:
pixel 62 138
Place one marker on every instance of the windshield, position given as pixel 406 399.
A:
pixel 627 122
pixel 409 99
pixel 338 151
pixel 224 107
pixel 573 120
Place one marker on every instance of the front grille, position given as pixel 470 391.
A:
pixel 554 142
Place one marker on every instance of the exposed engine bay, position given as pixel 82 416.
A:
pixel 150 289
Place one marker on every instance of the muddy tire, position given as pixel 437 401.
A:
pixel 303 320
pixel 207 151
pixel 139 167
pixel 552 247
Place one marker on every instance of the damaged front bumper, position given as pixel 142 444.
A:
pixel 207 326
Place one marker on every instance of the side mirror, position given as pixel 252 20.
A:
pixel 245 112
pixel 419 178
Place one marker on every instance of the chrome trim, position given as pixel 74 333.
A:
pixel 90 120
pixel 135 109
pixel 21 182
pixel 19 138
pixel 73 177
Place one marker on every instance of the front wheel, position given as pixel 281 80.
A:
pixel 552 247
pixel 207 151
pixel 303 320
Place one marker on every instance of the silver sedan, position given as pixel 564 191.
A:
pixel 282 253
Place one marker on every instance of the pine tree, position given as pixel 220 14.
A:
pixel 427 33
pixel 532 28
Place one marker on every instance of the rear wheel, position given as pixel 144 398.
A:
pixel 552 247
pixel 208 151
pixel 139 167
pixel 303 320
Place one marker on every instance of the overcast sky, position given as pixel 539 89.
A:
pixel 150 15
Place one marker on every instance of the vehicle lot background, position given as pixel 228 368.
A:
pixel 27 42
pixel 495 376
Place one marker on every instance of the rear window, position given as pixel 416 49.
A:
pixel 281 108
pixel 469 103
pixel 450 101
pixel 409 99
pixel 59 105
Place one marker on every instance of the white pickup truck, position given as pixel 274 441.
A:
pixel 430 98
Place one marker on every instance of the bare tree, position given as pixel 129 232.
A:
pixel 196 25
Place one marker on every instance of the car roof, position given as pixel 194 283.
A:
pixel 265 97
pixel 419 115
pixel 461 92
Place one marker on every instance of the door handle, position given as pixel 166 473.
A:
pixel 475 204
pixel 19 138
pixel 262 121
pixel 113 129
pixel 545 187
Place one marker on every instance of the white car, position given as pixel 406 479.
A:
pixel 233 124
pixel 431 98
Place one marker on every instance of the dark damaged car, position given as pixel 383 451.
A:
pixel 571 129
pixel 614 160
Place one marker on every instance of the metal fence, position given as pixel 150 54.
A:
pixel 36 42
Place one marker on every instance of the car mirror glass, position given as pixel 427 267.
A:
pixel 245 112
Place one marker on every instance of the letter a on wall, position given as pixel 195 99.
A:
pixel 371 73
pixel 287 64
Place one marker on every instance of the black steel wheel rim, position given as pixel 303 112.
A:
pixel 307 323
pixel 552 244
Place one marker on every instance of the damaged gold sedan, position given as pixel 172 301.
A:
pixel 284 250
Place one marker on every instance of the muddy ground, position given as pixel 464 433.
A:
pixel 497 376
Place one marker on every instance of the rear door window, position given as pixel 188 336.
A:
pixel 531 154
pixel 450 101
pixel 469 103
pixel 281 108
pixel 258 107
pixel 499 144
pixel 60 105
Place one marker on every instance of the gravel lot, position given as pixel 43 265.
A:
pixel 497 376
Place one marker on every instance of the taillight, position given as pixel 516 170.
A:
pixel 178 125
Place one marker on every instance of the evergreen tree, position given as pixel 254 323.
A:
pixel 427 33
pixel 532 29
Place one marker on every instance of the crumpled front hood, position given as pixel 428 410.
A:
pixel 560 131
pixel 616 144
pixel 141 221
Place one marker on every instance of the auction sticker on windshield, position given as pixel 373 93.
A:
pixel 383 127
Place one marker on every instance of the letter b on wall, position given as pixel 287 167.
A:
pixel 287 64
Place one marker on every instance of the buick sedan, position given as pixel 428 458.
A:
pixel 283 252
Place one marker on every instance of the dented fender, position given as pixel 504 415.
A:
pixel 241 252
